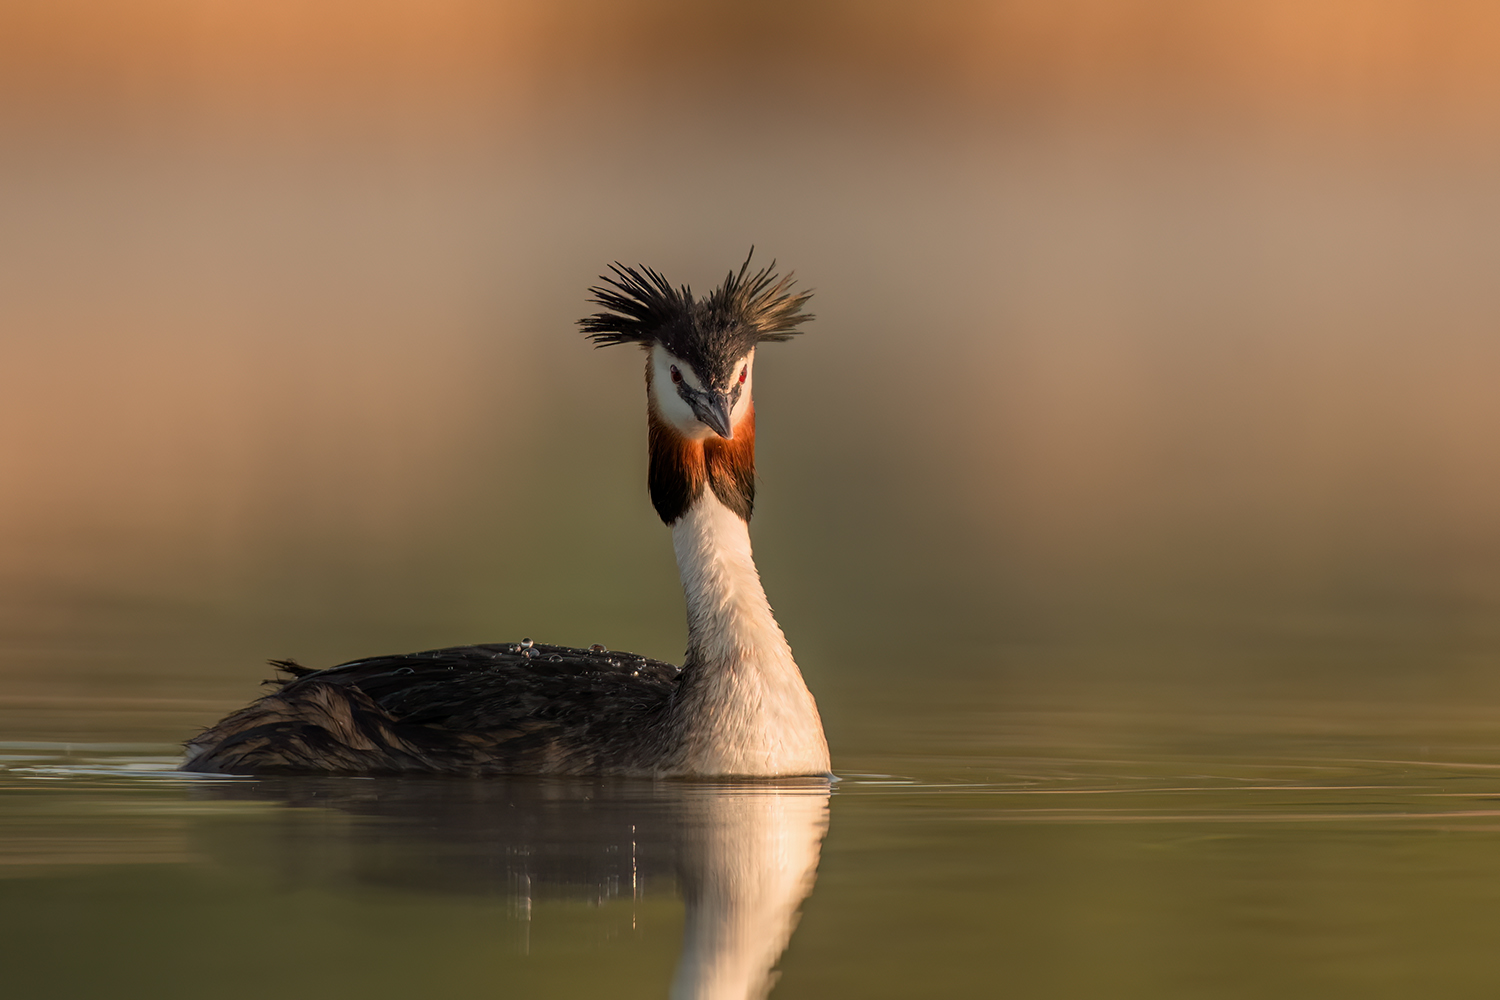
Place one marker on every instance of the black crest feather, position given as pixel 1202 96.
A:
pixel 712 332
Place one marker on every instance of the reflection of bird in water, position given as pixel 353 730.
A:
pixel 738 705
pixel 748 859
pixel 743 856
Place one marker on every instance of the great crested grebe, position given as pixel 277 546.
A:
pixel 738 704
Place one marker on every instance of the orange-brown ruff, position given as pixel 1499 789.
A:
pixel 737 706
pixel 726 467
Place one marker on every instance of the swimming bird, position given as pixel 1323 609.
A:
pixel 737 706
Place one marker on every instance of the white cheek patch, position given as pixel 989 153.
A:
pixel 669 405
pixel 672 408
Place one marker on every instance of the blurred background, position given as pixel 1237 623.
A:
pixel 1155 357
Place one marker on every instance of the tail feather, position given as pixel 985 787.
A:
pixel 319 727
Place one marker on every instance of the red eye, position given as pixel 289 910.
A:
pixel 743 372
pixel 676 375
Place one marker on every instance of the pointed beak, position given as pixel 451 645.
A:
pixel 713 409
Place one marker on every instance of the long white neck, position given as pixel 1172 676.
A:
pixel 743 709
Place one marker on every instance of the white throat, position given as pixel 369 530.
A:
pixel 744 707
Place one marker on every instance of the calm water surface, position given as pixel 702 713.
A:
pixel 1311 850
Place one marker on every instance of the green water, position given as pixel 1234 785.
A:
pixel 985 841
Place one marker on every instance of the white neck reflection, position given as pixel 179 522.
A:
pixel 743 855
pixel 749 855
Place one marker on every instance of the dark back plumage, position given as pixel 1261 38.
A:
pixel 711 333
pixel 507 708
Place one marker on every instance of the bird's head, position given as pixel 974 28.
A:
pixel 702 351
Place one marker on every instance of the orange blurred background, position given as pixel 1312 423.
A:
pixel 1139 322
pixel 1332 62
